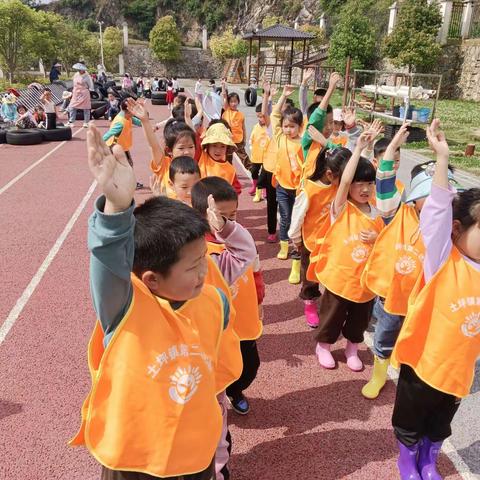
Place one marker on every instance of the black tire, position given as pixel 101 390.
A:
pixel 118 88
pixel 95 95
pixel 251 97
pixel 98 103
pixel 3 136
pixel 181 90
pixel 159 95
pixel 100 112
pixel 28 136
pixel 58 135
pixel 157 101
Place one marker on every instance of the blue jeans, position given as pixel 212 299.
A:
pixel 73 115
pixel 285 200
pixel 386 330
pixel 112 112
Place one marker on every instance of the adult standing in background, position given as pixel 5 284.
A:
pixel 55 72
pixel 82 84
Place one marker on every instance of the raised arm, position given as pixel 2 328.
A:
pixel 277 110
pixel 265 102
pixel 303 93
pixel 224 94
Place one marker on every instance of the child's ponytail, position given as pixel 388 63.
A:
pixel 330 159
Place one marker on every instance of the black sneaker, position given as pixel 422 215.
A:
pixel 240 405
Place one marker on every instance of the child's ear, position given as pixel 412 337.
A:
pixel 457 229
pixel 329 175
pixel 151 280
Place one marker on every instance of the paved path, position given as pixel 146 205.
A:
pixel 305 422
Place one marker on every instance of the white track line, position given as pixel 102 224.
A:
pixel 13 181
pixel 30 289
pixel 448 448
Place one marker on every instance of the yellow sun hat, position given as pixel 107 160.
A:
pixel 218 133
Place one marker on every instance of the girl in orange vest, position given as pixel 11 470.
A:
pixel 216 143
pixel 287 135
pixel 233 249
pixel 236 120
pixel 154 349
pixel 345 307
pixel 439 343
pixel 311 219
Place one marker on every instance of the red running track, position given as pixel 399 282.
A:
pixel 305 421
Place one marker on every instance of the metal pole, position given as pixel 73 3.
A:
pixel 250 63
pixel 101 45
pixel 291 63
pixel 347 77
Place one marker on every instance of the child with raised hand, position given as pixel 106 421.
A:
pixel 311 219
pixel 439 343
pixel 288 169
pixel 156 340
pixel 236 119
pixel 232 249
pixel 216 145
pixel 345 306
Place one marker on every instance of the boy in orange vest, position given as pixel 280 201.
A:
pixel 154 348
pixel 120 131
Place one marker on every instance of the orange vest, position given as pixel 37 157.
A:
pixel 125 139
pixel 230 363
pixel 343 255
pixel 316 222
pixel 288 169
pixel 235 119
pixel 440 337
pixel 153 394
pixel 248 325
pixel 259 140
pixel 210 168
pixel 270 158
pixel 396 261
pixel 311 160
pixel 162 171
pixel 339 140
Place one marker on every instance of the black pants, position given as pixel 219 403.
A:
pixel 51 123
pixel 251 362
pixel 310 290
pixel 265 181
pixel 421 410
pixel 107 474
pixel 342 316
pixel 255 170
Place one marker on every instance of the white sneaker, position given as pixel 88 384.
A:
pixel 85 125
pixel 69 124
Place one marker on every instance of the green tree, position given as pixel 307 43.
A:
pixel 143 12
pixel 165 40
pixel 228 45
pixel 320 37
pixel 43 40
pixel 271 20
pixel 354 36
pixel 91 49
pixel 16 26
pixel 413 42
pixel 113 47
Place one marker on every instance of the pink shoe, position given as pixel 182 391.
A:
pixel 253 189
pixel 272 238
pixel 311 314
pixel 264 193
pixel 351 352
pixel 324 356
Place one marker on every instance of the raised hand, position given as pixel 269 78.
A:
pixel 288 90
pixel 335 78
pixel 266 87
pixel 273 91
pixel 188 110
pixel 137 109
pixel 349 116
pixel 317 136
pixel 401 136
pixel 437 140
pixel 364 140
pixel 214 217
pixel 308 75
pixel 112 171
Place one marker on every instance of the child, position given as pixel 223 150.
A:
pixel 127 83
pixel 183 175
pixel 49 107
pixel 396 259
pixel 120 131
pixel 233 255
pixel 9 108
pixel 236 120
pixel 311 219
pixel 170 94
pixel 259 142
pixel 112 106
pixel 213 161
pixel 66 96
pixel 288 169
pixel 40 117
pixel 439 343
pixel 25 118
pixel 176 85
pixel 156 340
pixel 345 307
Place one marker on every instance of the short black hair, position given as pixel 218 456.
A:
pixel 162 228
pixel 183 164
pixel 258 108
pixel 333 160
pixel 174 130
pixel 320 92
pixel 178 112
pixel 380 147
pixel 218 187
pixel 219 120
pixel 313 106
pixel 294 115
pixel 466 207
pixel 181 99
pixel 233 95
pixel 365 171
pixel 290 102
